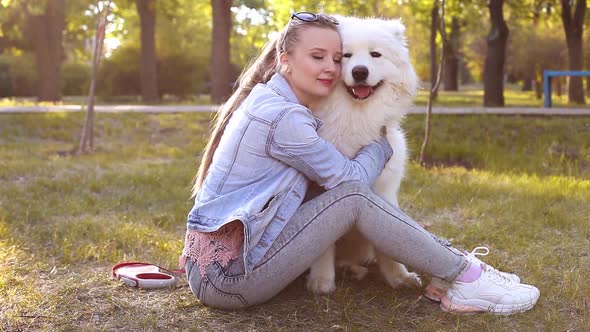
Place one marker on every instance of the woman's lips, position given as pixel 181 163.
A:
pixel 326 81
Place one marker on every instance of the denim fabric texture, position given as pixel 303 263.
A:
pixel 316 225
pixel 267 156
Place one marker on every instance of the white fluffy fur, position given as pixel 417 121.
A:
pixel 351 123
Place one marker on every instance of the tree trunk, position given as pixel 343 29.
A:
pixel 149 68
pixel 495 56
pixel 46 35
pixel 530 68
pixel 220 66
pixel 574 28
pixel 376 11
pixel 527 84
pixel 451 71
pixel 434 25
pixel 87 137
pixel 538 88
pixel 434 87
pixel 465 76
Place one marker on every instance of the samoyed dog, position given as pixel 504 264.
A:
pixel 378 84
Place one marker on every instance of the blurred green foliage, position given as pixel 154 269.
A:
pixel 183 40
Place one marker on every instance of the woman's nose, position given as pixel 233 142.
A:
pixel 331 66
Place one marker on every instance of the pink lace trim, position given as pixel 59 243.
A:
pixel 220 246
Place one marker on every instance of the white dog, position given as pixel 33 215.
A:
pixel 378 84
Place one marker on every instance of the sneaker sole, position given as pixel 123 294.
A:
pixel 474 306
pixel 434 293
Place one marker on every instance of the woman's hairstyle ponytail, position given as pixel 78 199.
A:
pixel 260 70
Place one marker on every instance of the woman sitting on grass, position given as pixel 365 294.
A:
pixel 250 232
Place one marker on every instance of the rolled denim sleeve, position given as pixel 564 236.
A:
pixel 294 140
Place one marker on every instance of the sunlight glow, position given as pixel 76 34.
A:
pixel 243 13
pixel 247 16
pixel 110 44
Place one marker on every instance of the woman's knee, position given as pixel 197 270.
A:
pixel 354 187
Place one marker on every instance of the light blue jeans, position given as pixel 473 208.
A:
pixel 316 225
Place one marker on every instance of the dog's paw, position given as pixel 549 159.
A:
pixel 436 289
pixel 409 280
pixel 320 285
pixel 359 272
pixel 413 280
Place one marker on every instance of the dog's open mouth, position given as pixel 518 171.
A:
pixel 361 91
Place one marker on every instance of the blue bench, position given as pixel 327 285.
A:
pixel 547 74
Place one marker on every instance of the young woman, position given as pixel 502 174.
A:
pixel 250 234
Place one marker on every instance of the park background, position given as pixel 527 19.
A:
pixel 518 184
pixel 158 51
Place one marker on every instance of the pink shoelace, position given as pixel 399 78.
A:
pixel 220 246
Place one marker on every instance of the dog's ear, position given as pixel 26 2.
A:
pixel 397 28
pixel 339 18
pixel 344 21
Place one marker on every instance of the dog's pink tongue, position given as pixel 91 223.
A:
pixel 362 91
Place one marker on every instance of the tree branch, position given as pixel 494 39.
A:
pixel 434 88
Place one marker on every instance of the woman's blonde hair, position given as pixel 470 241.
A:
pixel 260 70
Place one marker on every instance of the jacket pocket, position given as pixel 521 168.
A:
pixel 213 297
pixel 270 207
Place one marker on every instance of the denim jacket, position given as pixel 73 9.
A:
pixel 260 171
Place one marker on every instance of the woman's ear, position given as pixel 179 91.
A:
pixel 284 62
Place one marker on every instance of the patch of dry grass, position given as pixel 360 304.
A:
pixel 518 185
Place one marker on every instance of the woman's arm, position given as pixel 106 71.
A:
pixel 296 142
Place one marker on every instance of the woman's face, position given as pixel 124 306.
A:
pixel 312 67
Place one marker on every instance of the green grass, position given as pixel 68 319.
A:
pixel 472 96
pixel 115 100
pixel 518 185
pixel 468 96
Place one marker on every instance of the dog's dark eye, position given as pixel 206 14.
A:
pixel 346 55
pixel 375 54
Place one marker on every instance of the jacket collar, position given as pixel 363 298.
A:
pixel 280 85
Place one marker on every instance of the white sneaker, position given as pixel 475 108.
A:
pixel 492 292
pixel 438 288
pixel 477 251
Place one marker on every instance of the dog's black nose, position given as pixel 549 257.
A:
pixel 360 73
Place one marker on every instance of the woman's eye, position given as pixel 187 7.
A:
pixel 317 57
pixel 346 55
pixel 375 54
pixel 337 60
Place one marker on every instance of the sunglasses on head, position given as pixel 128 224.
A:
pixel 312 17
